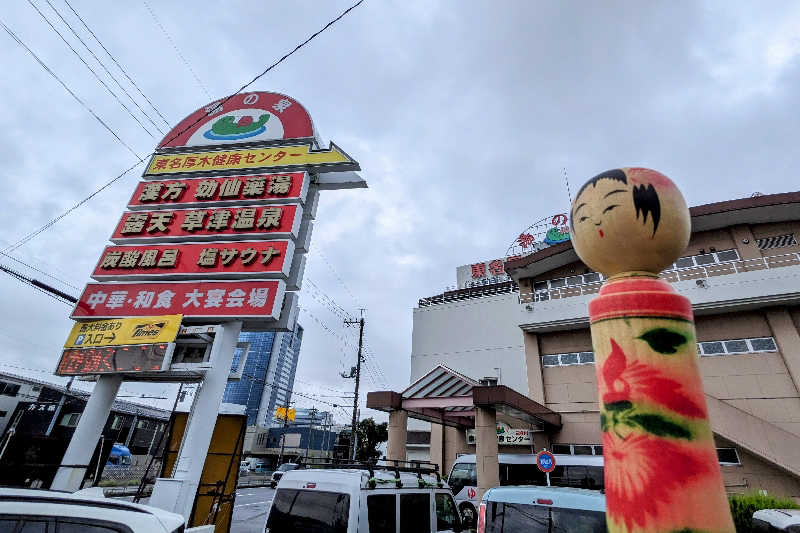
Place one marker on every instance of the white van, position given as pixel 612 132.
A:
pixel 542 510
pixel 581 471
pixel 365 499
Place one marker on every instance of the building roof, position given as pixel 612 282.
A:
pixel 451 398
pixel 120 406
pixel 754 210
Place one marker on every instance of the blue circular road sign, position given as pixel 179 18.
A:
pixel 546 461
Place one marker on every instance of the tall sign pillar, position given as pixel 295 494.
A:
pixel 177 493
pixel 84 441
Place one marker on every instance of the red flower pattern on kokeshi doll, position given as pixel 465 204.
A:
pixel 661 468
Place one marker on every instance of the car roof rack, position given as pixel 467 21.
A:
pixel 391 465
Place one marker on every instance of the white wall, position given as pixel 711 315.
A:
pixel 9 404
pixel 472 337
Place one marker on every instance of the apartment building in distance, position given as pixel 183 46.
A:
pixel 741 271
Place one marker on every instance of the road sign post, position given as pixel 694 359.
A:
pixel 546 462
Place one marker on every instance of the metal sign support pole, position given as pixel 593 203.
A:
pixel 177 494
pixel 82 445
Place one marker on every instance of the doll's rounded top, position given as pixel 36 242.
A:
pixel 629 220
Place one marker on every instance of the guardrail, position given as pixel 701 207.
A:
pixel 673 276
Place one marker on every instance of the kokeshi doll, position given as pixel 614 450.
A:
pixel 661 467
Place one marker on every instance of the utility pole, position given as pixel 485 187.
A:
pixel 310 429
pixel 283 437
pixel 360 322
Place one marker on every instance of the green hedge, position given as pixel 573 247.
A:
pixel 744 505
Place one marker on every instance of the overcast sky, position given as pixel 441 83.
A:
pixel 461 114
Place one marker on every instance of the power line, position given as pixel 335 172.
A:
pixel 116 63
pixel 59 80
pixel 33 234
pixel 112 93
pixel 318 385
pixel 134 102
pixel 374 372
pixel 336 275
pixel 329 302
pixel 175 47
pixel 272 66
pixel 290 391
pixel 275 64
pixel 41 287
pixel 40 271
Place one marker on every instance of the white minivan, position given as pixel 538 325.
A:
pixel 542 510
pixel 580 471
pixel 369 499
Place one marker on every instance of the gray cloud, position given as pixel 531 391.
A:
pixel 462 116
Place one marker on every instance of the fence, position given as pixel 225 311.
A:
pixel 673 276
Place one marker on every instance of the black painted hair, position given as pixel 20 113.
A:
pixel 645 198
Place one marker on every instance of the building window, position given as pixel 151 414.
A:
pixel 737 346
pixel 704 259
pixel 9 389
pixel 578 449
pixel 146 424
pixel 778 241
pixel 568 359
pixel 728 456
pixel 70 420
pixel 117 423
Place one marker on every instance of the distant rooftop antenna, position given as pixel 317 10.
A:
pixel 566 182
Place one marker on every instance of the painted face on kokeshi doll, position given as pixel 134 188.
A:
pixel 629 219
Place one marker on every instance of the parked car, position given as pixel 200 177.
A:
pixel 276 475
pixel 372 499
pixel 776 521
pixel 542 510
pixel 120 456
pixel 244 467
pixel 581 471
pixel 46 510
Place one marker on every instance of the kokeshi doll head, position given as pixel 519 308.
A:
pixel 629 220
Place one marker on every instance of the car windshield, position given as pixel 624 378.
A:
pixel 463 474
pixel 307 510
pixel 515 517
pixel 286 467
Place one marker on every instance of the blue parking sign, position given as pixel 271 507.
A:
pixel 546 461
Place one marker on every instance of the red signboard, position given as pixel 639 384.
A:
pixel 244 118
pixel 112 359
pixel 223 300
pixel 180 261
pixel 226 190
pixel 209 224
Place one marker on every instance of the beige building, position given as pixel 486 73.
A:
pixel 741 272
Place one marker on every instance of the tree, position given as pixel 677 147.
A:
pixel 369 436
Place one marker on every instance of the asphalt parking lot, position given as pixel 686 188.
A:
pixel 250 509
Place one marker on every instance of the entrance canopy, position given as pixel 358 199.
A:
pixel 444 396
